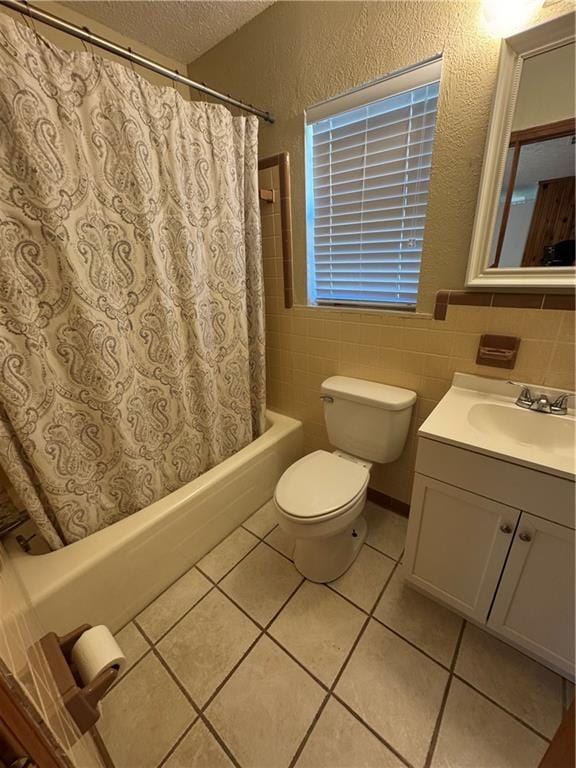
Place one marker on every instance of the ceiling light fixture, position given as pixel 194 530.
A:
pixel 504 17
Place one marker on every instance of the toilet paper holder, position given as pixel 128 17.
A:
pixel 80 700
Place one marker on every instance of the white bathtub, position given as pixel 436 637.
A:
pixel 110 576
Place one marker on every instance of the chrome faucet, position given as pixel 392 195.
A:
pixel 541 403
pixel 559 406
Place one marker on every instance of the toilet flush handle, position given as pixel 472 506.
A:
pixel 327 398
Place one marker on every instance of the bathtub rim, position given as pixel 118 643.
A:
pixel 43 574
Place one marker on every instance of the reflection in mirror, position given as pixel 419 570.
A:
pixel 535 217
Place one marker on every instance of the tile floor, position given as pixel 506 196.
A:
pixel 242 662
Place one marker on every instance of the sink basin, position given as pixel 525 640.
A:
pixel 524 427
pixel 480 414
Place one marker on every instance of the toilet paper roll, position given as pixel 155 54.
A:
pixel 95 651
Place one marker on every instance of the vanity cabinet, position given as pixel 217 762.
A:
pixel 457 545
pixel 481 541
pixel 534 604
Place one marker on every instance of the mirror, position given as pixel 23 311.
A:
pixel 524 229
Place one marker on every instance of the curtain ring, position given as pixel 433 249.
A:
pixel 175 91
pixel 131 61
pixel 28 18
pixel 89 33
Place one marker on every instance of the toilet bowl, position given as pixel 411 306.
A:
pixel 318 501
pixel 320 498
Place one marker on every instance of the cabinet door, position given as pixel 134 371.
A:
pixel 456 545
pixel 534 605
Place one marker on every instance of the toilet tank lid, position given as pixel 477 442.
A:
pixel 369 392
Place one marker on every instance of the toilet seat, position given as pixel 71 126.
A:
pixel 319 486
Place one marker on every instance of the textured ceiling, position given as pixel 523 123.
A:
pixel 180 29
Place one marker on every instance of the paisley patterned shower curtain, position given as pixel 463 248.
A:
pixel 131 299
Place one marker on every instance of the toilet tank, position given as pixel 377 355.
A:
pixel 367 419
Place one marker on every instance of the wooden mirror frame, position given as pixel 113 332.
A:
pixel 513 52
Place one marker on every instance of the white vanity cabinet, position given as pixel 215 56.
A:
pixel 495 541
pixel 534 604
pixel 457 545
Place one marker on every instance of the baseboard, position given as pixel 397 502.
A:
pixel 383 500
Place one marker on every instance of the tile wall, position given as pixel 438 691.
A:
pixel 305 345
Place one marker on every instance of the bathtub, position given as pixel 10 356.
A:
pixel 110 576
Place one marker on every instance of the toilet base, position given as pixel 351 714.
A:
pixel 325 559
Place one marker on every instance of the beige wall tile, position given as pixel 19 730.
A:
pixel 568 326
pixel 543 325
pixel 563 358
pixel 308 344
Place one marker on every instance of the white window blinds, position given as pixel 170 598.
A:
pixel 368 160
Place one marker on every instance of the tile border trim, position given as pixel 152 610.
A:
pixel 513 300
pixel 282 160
pixel 388 502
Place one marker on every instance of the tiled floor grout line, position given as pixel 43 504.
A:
pixel 438 723
pixel 381 552
pixel 309 730
pixel 244 556
pixel 370 614
pixel 365 544
pixel 501 707
pixel 331 689
pixel 213 584
pixel 194 566
pixel 129 671
pixel 409 642
pixel 263 630
pixel 215 587
pixel 178 741
pixel 172 626
pixel 217 737
pixel 282 554
pixel 197 711
pixel 372 730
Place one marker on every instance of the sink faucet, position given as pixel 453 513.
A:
pixel 541 403
pixel 559 406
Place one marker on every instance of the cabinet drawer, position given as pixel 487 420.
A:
pixel 520 487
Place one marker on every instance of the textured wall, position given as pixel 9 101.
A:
pixel 295 54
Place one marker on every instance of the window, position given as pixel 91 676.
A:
pixel 368 160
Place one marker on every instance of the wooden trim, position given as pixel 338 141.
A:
pixel 388 502
pixel 282 160
pixel 20 732
pixel 518 139
pixel 507 205
pixel 508 299
pixel 543 132
pixel 561 752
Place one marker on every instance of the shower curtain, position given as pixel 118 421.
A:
pixel 131 298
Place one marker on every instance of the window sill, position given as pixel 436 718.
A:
pixel 400 313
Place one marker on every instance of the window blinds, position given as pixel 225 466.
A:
pixel 368 158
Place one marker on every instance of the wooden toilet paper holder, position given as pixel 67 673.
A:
pixel 80 700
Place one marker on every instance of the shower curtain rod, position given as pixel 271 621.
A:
pixel 83 33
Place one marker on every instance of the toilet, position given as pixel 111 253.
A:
pixel 320 498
